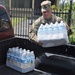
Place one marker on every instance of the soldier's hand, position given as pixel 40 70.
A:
pixel 40 43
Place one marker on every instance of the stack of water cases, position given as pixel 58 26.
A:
pixel 20 59
pixel 53 34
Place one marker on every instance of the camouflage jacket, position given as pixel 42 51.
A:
pixel 39 21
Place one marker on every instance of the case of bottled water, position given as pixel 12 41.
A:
pixel 20 59
pixel 53 34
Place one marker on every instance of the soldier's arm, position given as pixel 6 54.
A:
pixel 34 29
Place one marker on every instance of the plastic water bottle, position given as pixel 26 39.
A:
pixel 12 55
pixel 28 58
pixel 62 29
pixel 46 31
pixel 16 52
pixel 32 58
pixel 24 51
pixel 40 32
pixel 19 57
pixel 51 30
pixel 9 55
pixel 56 30
pixel 56 27
pixel 62 26
pixel 24 63
pixel 65 33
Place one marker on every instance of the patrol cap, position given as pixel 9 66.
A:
pixel 45 6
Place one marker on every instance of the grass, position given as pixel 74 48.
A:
pixel 15 20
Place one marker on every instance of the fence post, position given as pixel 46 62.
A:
pixel 69 14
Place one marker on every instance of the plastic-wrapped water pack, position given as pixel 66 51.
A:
pixel 53 34
pixel 20 59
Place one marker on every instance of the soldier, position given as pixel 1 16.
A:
pixel 47 17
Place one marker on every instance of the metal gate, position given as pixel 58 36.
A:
pixel 24 12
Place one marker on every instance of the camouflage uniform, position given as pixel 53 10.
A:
pixel 45 6
pixel 39 21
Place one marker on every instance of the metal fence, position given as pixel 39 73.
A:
pixel 23 13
